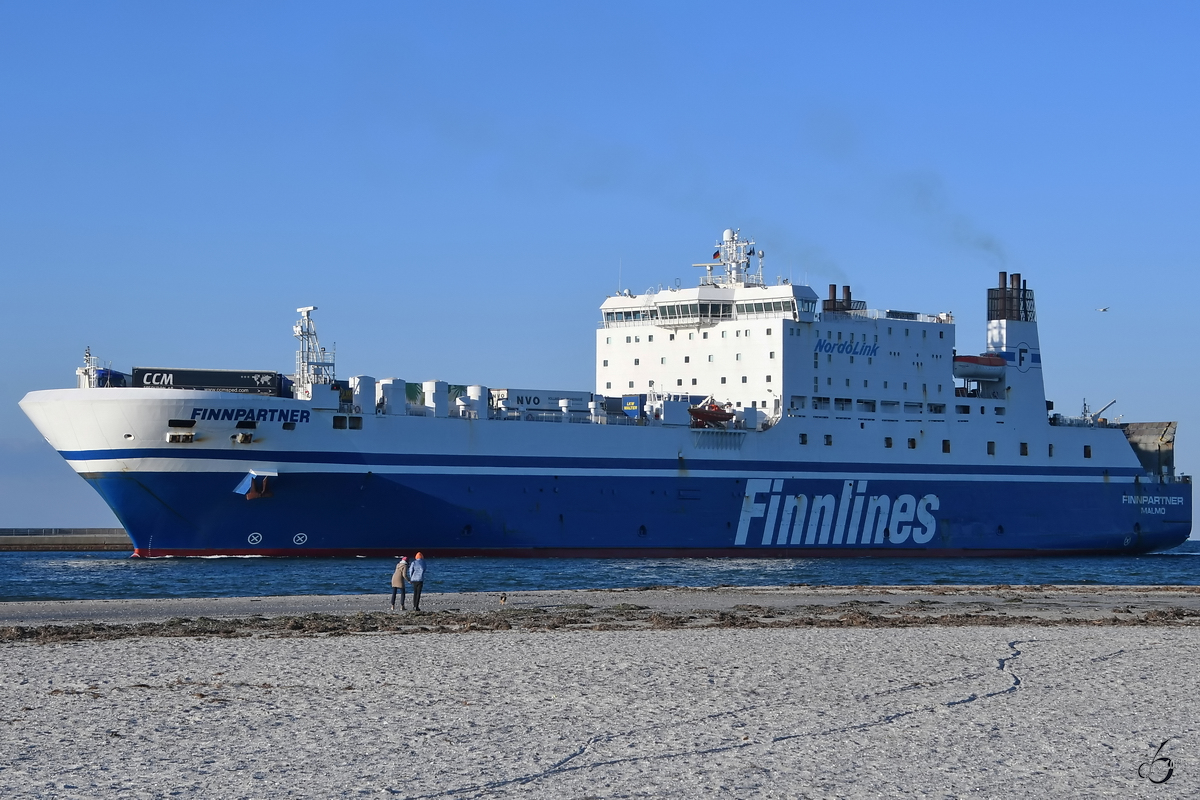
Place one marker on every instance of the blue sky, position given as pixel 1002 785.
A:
pixel 455 185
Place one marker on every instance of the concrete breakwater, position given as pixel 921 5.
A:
pixel 64 539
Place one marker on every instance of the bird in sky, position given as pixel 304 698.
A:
pixel 1106 308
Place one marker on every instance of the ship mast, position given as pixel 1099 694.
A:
pixel 733 254
pixel 314 365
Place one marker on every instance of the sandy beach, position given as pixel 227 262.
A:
pixel 788 692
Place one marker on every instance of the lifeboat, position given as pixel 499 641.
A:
pixel 979 368
pixel 708 415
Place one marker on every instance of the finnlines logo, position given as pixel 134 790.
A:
pixel 852 518
pixel 847 348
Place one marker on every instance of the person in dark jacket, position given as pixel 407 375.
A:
pixel 416 576
pixel 399 577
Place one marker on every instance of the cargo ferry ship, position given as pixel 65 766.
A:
pixel 732 418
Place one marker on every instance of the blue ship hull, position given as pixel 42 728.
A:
pixel 690 514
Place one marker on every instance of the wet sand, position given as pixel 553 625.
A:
pixel 788 692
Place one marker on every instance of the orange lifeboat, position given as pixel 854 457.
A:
pixel 709 415
pixel 979 368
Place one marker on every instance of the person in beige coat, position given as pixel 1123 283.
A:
pixel 399 578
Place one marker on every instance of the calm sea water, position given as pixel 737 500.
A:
pixel 96 576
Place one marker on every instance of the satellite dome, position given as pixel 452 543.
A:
pixel 728 235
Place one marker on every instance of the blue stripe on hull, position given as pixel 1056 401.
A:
pixel 312 514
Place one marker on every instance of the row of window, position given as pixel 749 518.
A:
pixel 679 382
pixel 866 406
pixel 633 339
pixel 687 359
pixel 699 310
pixel 991 446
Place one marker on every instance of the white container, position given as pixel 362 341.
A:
pixel 539 399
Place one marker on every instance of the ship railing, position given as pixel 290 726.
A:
pixel 881 313
pixel 1062 421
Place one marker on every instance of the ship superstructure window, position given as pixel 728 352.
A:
pixel 356 423
pixel 768 379
pixel 820 404
pixel 291 426
pixel 606 362
pixel 697 311
pixel 1024 448
pixel 887 441
pixel 628 339
pixel 687 359
pixel 710 358
pixel 991 448
pixel 945 445
pixel 912 444
pixel 937 408
pixel 999 411
pixel 962 409
pixel 771 307
pixel 1087 451
pixel 804 438
pixel 722 380
pixel 743 379
pixel 637 362
pixel 679 381
pixel 866 406
pixel 608 384
pixel 631 384
pixel 339 423
pixel 828 439
pixel 842 403
pixel 1052 451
